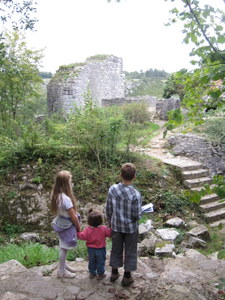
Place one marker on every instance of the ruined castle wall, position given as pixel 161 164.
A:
pixel 210 153
pixel 103 79
pixel 165 105
pixel 149 100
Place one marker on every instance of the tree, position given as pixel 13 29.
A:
pixel 203 27
pixel 18 13
pixel 19 76
pixel 174 86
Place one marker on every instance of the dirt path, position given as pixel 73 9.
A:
pixel 156 147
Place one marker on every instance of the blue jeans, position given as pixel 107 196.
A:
pixel 97 257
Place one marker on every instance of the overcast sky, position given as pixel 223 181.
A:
pixel 72 30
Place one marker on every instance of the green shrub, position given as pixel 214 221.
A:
pixel 12 229
pixel 29 254
pixel 214 129
pixel 136 113
pixel 171 203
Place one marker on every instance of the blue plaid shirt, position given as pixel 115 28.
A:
pixel 123 208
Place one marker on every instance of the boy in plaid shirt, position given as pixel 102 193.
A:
pixel 123 210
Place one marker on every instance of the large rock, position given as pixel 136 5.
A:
pixel 201 232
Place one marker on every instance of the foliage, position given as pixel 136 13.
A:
pixel 204 86
pixel 12 229
pixel 144 218
pixel 18 13
pixel 29 254
pixel 98 57
pixel 45 74
pixel 97 131
pixel 171 202
pixel 136 113
pixel 175 118
pixel 174 86
pixel 213 128
pixel 151 73
pixel 145 87
pixel 221 288
pixel 19 79
pixel 79 251
pixel 216 242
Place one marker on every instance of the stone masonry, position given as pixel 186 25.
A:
pixel 102 76
pixel 210 153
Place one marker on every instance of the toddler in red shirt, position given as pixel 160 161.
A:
pixel 95 236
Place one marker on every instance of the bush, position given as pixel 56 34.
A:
pixel 136 113
pixel 171 203
pixel 214 129
pixel 29 254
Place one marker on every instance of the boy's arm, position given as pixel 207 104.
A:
pixel 109 208
pixel 136 208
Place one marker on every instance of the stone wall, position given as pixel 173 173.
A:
pixel 102 76
pixel 149 100
pixel 210 154
pixel 165 105
pixel 159 107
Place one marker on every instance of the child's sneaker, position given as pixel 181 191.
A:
pixel 91 276
pixel 100 276
pixel 66 275
pixel 127 281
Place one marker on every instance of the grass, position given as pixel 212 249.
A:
pixel 29 254
pixel 148 131
pixel 216 242
pixel 35 254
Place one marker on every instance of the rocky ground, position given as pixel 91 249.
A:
pixel 191 276
pixel 184 275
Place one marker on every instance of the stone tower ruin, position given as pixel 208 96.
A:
pixel 101 75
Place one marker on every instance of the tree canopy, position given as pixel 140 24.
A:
pixel 203 87
pixel 18 14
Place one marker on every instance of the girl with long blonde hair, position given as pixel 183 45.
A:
pixel 66 221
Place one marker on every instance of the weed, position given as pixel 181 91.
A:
pixel 37 179
pixel 12 229
pixel 29 254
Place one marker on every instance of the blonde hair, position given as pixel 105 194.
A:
pixel 62 185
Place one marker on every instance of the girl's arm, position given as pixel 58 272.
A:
pixel 74 218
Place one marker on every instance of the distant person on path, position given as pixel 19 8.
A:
pixel 95 236
pixel 66 223
pixel 123 210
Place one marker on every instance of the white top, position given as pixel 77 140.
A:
pixel 65 203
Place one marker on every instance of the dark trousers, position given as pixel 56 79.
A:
pixel 97 257
pixel 124 250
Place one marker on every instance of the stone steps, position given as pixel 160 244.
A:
pixel 215 215
pixel 184 164
pixel 211 206
pixel 195 173
pixel 196 176
pixel 217 223
pixel 199 188
pixel 197 182
pixel 209 198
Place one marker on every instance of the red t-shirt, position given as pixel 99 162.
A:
pixel 95 237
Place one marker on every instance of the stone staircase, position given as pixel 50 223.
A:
pixel 196 176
